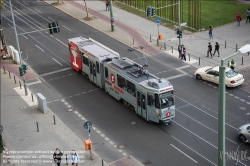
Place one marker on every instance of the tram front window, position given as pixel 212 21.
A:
pixel 166 101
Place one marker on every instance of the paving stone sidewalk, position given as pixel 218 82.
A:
pixel 27 147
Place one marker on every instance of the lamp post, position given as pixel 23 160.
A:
pixel 18 47
pixel 111 16
pixel 222 112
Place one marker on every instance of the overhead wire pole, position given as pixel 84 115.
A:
pixel 18 47
pixel 111 16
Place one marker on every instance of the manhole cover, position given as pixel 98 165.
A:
pixel 70 109
pixel 242 108
pixel 121 147
pixel 133 123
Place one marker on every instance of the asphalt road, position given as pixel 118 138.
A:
pixel 192 137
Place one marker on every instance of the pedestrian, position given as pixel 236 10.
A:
pixel 183 53
pixel 57 156
pixel 238 19
pixel 217 47
pixel 179 49
pixel 210 32
pixel 107 5
pixel 209 50
pixel 232 64
pixel 74 158
pixel 248 15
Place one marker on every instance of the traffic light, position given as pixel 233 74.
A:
pixel 55 27
pixel 177 31
pixel 50 28
pixel 180 35
pixel 148 11
pixel 153 11
pixel 21 71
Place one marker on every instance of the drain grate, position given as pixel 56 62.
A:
pixel 147 163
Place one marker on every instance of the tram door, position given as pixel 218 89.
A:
pixel 141 104
pixel 92 72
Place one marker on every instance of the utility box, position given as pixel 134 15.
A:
pixel 42 104
pixel 88 144
pixel 160 36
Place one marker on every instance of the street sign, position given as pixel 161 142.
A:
pixel 158 20
pixel 87 125
pixel 158 24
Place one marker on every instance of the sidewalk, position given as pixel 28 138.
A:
pixel 130 29
pixel 23 143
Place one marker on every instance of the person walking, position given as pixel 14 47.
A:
pixel 209 50
pixel 238 19
pixel 179 50
pixel 74 158
pixel 107 5
pixel 248 15
pixel 232 64
pixel 57 156
pixel 210 32
pixel 216 48
pixel 183 53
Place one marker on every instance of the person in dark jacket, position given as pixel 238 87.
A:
pixel 217 47
pixel 248 15
pixel 209 50
pixel 57 156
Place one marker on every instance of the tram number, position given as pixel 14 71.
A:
pixel 112 78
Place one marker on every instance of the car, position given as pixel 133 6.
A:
pixel 244 133
pixel 211 74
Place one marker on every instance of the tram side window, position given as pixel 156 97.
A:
pixel 157 101
pixel 106 72
pixel 97 67
pixel 85 60
pixel 131 88
pixel 150 98
pixel 121 81
pixel 138 98
pixel 143 102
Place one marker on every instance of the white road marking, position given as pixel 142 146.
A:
pixel 242 100
pixel 66 28
pixel 248 103
pixel 51 19
pixel 236 97
pixel 56 78
pixel 70 96
pixel 33 83
pixel 75 112
pixel 176 76
pixel 102 135
pixel 69 106
pixel 53 72
pixel 112 143
pixel 94 128
pixel 38 11
pixel 106 138
pixel 77 94
pixel 98 131
pixel 83 118
pixel 184 154
pixel 124 154
pixel 25 37
pixel 230 94
pixel 25 3
pixel 56 100
pixel 183 67
pixel 61 42
pixel 80 115
pixel 57 61
pixel 39 48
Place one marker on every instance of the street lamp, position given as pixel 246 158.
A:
pixel 222 112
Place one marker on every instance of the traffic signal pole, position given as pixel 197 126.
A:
pixel 179 18
pixel 18 47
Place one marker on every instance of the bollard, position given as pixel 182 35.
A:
pixel 133 41
pixel 165 46
pixel 66 160
pixel 4 70
pixel 37 127
pixel 54 119
pixel 15 79
pixel 227 63
pixel 20 84
pixel 225 44
pixel 9 74
pixel 157 42
pixel 172 49
pixel 150 38
pixel 189 56
pixel 199 61
pixel 102 163
pixel 32 97
pixel 236 47
pixel 242 61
